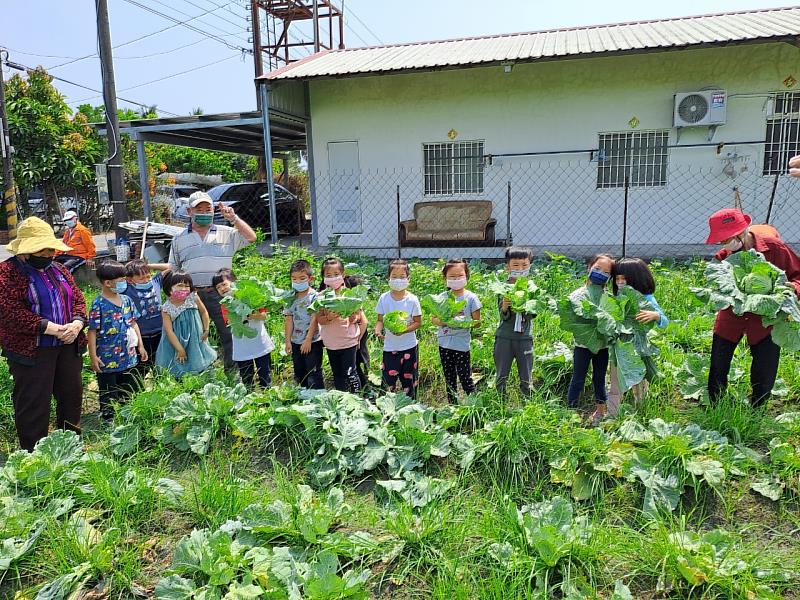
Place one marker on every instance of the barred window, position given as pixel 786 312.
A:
pixel 783 133
pixel 453 168
pixel 641 156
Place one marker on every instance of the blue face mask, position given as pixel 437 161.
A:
pixel 144 286
pixel 598 277
pixel 120 287
pixel 300 286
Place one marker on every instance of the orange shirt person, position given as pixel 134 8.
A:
pixel 78 237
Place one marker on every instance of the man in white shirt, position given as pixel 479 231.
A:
pixel 205 248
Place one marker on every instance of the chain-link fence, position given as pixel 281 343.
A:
pixel 567 206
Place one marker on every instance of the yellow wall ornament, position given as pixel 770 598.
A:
pixel 634 122
pixel 452 134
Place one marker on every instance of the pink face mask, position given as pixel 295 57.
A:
pixel 334 282
pixel 180 295
pixel 457 284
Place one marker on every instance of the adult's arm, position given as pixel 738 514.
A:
pixel 244 229
pixel 14 301
pixel 88 241
pixel 78 299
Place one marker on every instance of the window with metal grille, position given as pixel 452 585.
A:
pixel 453 168
pixel 783 133
pixel 641 156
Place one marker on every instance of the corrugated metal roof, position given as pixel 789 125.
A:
pixel 527 47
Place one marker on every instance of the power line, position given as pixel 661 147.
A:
pixel 357 18
pixel 216 62
pixel 213 26
pixel 192 27
pixel 218 16
pixel 189 45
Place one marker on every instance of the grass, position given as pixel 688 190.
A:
pixel 126 527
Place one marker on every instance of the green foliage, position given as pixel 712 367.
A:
pixel 523 295
pixel 345 304
pixel 447 309
pixel 396 321
pixel 251 295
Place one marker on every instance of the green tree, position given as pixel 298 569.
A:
pixel 53 148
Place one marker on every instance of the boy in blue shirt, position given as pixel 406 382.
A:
pixel 145 294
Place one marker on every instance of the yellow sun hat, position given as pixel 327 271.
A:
pixel 34 235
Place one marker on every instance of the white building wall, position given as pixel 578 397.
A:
pixel 557 106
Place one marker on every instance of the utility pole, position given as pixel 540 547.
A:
pixel 315 13
pixel 9 194
pixel 258 59
pixel 115 182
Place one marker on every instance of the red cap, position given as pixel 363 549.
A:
pixel 727 223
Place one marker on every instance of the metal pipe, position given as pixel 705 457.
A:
pixel 263 88
pixel 144 177
pixel 772 196
pixel 592 151
pixel 316 26
pixel 625 220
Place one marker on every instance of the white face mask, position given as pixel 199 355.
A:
pixel 398 285
pixel 517 273
pixel 734 245
pixel 457 284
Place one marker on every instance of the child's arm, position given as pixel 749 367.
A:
pixel 204 318
pixel 95 361
pixel 288 326
pixel 476 319
pixel 324 316
pixel 140 346
pixel 180 351
pixel 362 324
pixel 416 323
pixel 158 267
pixel 378 327
pixel 305 347
pixel 505 309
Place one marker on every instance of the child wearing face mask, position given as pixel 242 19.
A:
pixel 114 338
pixel 184 347
pixel 513 340
pixel 251 355
pixel 340 336
pixel 144 290
pixel 400 351
pixel 600 269
pixel 635 273
pixel 454 342
pixel 302 342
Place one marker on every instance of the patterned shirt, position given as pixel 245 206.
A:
pixel 301 318
pixel 112 324
pixel 202 258
pixel 148 303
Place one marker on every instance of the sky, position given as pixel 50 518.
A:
pixel 200 64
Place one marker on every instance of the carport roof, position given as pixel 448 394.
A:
pixel 241 133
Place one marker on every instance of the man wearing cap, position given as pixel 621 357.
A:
pixel 205 248
pixel 79 238
pixel 42 316
pixel 730 228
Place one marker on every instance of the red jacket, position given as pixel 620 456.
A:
pixel 20 327
pixel 732 327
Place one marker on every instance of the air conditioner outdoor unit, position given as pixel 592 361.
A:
pixel 704 108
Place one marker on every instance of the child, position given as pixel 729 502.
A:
pixel 600 268
pixel 635 273
pixel 362 355
pixel 340 336
pixel 251 355
pixel 400 351
pixel 114 338
pixel 454 342
pixel 303 343
pixel 145 294
pixel 513 340
pixel 183 347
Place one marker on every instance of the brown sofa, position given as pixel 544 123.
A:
pixel 449 222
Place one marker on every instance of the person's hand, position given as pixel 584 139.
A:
pixel 353 318
pixel 54 329
pixel 96 364
pixel 647 316
pixel 437 321
pixel 143 354
pixel 180 355
pixel 288 347
pixel 794 166
pixel 227 212
pixel 379 333
pixel 505 305
pixel 70 332
pixel 305 347
pixel 204 337
pixel 257 315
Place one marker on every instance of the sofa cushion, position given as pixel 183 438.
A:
pixel 453 216
pixel 419 235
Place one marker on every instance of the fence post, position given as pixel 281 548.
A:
pixel 625 220
pixel 772 196
pixel 509 235
pixel 399 250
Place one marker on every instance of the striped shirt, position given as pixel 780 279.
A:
pixel 50 297
pixel 202 258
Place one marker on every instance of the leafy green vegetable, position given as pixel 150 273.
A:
pixel 523 295
pixel 251 295
pixel 396 321
pixel 348 302
pixel 447 309
pixel 746 282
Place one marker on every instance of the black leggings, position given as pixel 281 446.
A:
pixel 763 370
pixel 308 367
pixel 456 365
pixel 343 366
pixel 581 358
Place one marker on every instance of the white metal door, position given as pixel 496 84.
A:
pixel 345 186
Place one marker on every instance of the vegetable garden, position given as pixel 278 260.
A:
pixel 201 490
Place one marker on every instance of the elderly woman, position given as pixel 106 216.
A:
pixel 43 314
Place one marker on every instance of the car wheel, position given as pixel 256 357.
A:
pixel 293 225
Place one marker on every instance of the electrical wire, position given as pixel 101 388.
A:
pixel 357 18
pixel 216 62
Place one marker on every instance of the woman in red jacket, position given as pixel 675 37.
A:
pixel 731 228
pixel 41 332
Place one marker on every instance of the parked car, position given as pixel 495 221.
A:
pixel 251 203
